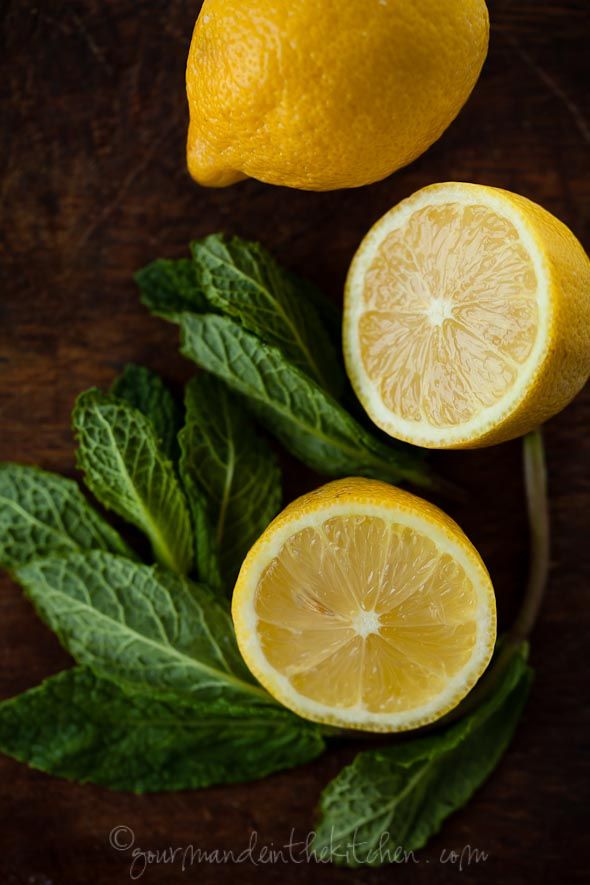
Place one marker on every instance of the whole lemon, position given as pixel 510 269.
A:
pixel 324 94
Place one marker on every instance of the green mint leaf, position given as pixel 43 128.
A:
pixel 168 287
pixel 42 513
pixel 141 626
pixel 228 469
pixel 125 468
pixel 399 796
pixel 243 281
pixel 306 419
pixel 145 391
pixel 78 726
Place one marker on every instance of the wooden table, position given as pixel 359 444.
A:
pixel 94 186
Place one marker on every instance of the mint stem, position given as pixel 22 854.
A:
pixel 538 512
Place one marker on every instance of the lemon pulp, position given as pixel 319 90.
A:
pixel 362 613
pixel 448 314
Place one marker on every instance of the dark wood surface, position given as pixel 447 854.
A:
pixel 93 186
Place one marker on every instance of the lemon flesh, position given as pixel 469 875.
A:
pixel 458 317
pixel 372 611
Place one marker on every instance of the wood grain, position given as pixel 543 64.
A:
pixel 94 186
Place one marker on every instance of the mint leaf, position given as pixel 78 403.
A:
pixel 125 468
pixel 306 419
pixel 87 729
pixel 141 626
pixel 145 391
pixel 230 471
pixel 400 795
pixel 42 513
pixel 243 281
pixel 168 287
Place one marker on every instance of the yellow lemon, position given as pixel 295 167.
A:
pixel 365 607
pixel 466 317
pixel 323 94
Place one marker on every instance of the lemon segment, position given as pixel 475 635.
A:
pixel 467 317
pixel 364 606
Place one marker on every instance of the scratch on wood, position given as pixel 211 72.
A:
pixel 92 44
pixel 126 183
pixel 554 87
pixel 79 26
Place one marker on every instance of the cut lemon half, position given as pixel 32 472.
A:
pixel 467 317
pixel 365 607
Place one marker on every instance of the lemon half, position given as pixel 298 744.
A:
pixel 467 317
pixel 365 607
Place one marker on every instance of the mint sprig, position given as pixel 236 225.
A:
pixel 161 698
